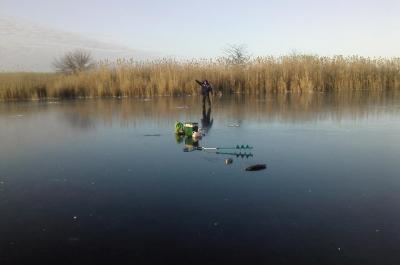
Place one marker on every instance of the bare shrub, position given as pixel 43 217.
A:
pixel 74 62
pixel 236 54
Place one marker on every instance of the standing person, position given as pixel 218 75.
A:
pixel 206 89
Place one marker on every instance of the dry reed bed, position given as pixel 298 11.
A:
pixel 127 78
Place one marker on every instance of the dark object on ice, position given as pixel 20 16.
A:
pixel 228 161
pixel 256 167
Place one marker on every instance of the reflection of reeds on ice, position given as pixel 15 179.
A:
pixel 236 110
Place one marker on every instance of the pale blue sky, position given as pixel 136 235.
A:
pixel 202 28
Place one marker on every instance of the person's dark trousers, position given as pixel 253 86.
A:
pixel 206 98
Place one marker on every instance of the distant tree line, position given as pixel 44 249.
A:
pixel 77 61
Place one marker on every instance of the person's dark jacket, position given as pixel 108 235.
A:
pixel 206 88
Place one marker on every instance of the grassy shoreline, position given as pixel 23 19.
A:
pixel 294 73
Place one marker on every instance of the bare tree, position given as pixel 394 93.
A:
pixel 236 54
pixel 74 62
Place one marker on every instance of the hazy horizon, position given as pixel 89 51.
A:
pixel 190 29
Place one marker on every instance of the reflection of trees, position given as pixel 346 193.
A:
pixel 290 107
pixel 79 120
pixel 297 107
pixel 285 107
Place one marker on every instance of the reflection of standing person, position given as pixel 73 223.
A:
pixel 206 121
pixel 206 89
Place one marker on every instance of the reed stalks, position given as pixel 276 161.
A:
pixel 261 75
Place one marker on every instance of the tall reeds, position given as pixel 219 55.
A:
pixel 127 78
